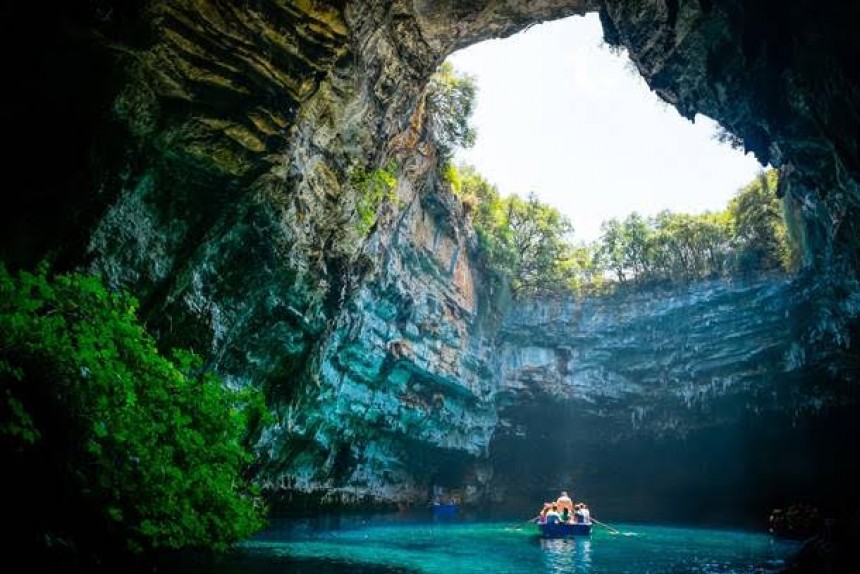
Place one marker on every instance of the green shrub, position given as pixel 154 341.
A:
pixel 114 446
pixel 372 188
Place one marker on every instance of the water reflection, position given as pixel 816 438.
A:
pixel 566 554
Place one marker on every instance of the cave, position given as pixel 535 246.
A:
pixel 202 156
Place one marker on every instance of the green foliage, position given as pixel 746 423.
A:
pixel 749 236
pixel 372 188
pixel 452 175
pixel 760 226
pixel 113 445
pixel 524 241
pixel 450 101
pixel 490 222
pixel 539 240
pixel 528 243
pixel 581 272
pixel 684 248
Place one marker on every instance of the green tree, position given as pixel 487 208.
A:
pixel 715 242
pixel 760 230
pixel 489 220
pixel 637 237
pixel 580 269
pixel 114 446
pixel 525 242
pixel 540 237
pixel 529 243
pixel 471 187
pixel 612 249
pixel 450 101
pixel 670 246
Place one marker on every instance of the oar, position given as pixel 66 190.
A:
pixel 518 526
pixel 604 524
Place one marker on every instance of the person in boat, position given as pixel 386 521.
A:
pixel 553 517
pixel 564 501
pixel 547 506
pixel 566 515
pixel 586 514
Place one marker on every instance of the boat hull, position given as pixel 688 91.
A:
pixel 563 530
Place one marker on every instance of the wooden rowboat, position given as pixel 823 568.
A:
pixel 565 529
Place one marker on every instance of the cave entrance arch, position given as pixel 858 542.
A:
pixel 698 72
pixel 559 113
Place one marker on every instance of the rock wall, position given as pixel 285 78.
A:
pixel 669 403
pixel 204 153
pixel 401 396
pixel 666 361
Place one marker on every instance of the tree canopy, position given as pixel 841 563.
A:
pixel 450 101
pixel 524 240
pixel 531 244
pixel 760 226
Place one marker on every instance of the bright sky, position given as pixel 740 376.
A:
pixel 559 114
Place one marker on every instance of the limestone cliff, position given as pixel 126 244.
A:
pixel 202 155
pixel 401 388
pixel 673 399
pixel 679 359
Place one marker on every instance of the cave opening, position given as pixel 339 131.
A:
pixel 561 113
pixel 574 124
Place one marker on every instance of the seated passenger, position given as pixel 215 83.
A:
pixel 586 514
pixel 564 501
pixel 553 517
pixel 566 516
pixel 547 506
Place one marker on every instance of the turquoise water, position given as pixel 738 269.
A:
pixel 370 546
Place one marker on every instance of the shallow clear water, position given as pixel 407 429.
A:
pixel 386 545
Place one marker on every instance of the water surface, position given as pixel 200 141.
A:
pixel 389 545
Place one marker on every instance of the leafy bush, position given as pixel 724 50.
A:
pixel 372 188
pixel 113 446
pixel 760 226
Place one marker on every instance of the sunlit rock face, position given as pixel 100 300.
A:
pixel 402 396
pixel 671 357
pixel 200 153
pixel 665 403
